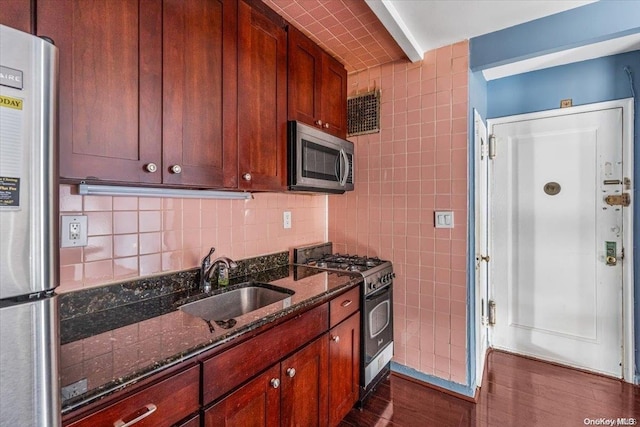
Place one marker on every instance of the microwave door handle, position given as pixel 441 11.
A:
pixel 345 170
pixel 337 167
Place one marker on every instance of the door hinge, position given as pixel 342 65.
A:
pixel 492 146
pixel 483 149
pixel 618 200
pixel 621 257
pixel 492 312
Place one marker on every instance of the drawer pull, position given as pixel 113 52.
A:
pixel 346 303
pixel 146 411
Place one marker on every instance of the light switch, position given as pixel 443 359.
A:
pixel 443 219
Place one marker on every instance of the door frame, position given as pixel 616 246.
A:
pixel 627 105
pixel 481 159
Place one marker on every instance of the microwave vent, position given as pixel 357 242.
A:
pixel 363 113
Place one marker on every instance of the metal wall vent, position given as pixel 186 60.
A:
pixel 363 113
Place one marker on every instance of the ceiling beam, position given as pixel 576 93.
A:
pixel 391 19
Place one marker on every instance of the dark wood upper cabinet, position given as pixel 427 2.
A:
pixel 147 90
pixel 333 96
pixel 17 14
pixel 317 86
pixel 262 100
pixel 199 92
pixel 110 113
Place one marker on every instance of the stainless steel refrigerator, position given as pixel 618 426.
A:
pixel 29 383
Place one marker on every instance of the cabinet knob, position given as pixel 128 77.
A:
pixel 151 167
pixel 176 169
pixel 275 382
pixel 246 177
pixel 319 122
pixel 326 125
pixel 335 339
pixel 291 372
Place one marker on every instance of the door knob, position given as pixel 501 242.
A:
pixel 326 125
pixel 319 122
pixel 246 177
pixel 335 339
pixel 150 167
pixel 291 372
pixel 275 382
pixel 176 169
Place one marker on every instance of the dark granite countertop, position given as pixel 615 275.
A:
pixel 111 349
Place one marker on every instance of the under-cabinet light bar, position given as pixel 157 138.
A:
pixel 117 190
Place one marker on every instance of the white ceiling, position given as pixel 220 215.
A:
pixel 423 25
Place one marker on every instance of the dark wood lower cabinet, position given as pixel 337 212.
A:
pixel 302 372
pixel 257 403
pixel 290 393
pixel 305 386
pixel 162 404
pixel 344 368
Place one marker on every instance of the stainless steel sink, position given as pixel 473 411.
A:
pixel 236 301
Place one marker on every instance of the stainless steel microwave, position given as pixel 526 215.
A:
pixel 318 161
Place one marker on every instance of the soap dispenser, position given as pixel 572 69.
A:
pixel 223 275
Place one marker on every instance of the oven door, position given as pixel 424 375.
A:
pixel 378 322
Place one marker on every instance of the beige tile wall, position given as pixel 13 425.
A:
pixel 415 165
pixel 132 237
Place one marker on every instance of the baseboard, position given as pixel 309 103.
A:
pixel 461 391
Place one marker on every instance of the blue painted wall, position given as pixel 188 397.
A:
pixel 586 82
pixel 594 22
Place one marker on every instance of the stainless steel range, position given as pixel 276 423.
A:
pixel 376 307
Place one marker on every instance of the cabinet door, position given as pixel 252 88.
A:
pixel 256 404
pixel 333 95
pixel 304 77
pixel 262 101
pixel 344 368
pixel 304 386
pixel 199 92
pixel 16 14
pixel 110 86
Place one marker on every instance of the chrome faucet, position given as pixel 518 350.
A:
pixel 208 268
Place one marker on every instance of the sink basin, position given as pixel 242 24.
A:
pixel 236 301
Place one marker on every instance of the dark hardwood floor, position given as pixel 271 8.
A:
pixel 516 391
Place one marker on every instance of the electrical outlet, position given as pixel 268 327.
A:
pixel 286 219
pixel 75 389
pixel 73 231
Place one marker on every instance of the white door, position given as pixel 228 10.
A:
pixel 557 245
pixel 482 241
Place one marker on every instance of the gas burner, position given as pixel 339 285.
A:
pixel 353 267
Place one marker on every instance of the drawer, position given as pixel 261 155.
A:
pixel 229 369
pixel 164 404
pixel 344 306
